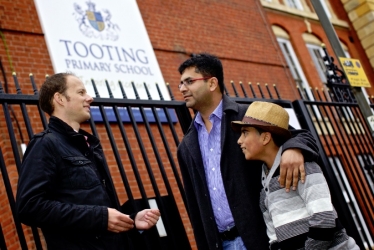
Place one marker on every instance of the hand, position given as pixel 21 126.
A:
pixel 146 218
pixel 292 163
pixel 119 222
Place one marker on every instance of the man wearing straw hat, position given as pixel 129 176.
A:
pixel 222 190
pixel 64 184
pixel 294 220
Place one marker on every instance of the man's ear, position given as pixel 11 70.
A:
pixel 58 98
pixel 213 83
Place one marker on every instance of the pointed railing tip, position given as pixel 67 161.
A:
pixel 30 74
pixel 249 83
pixel 240 82
pixel 14 73
pixel 231 81
pixel 274 85
pixel 167 84
pixel 258 83
pixel 323 45
pixel 266 84
pixel 46 76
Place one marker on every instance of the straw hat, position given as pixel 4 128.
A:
pixel 267 116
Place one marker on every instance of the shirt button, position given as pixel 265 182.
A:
pixel 266 189
pixel 213 169
pixel 80 162
pixel 214 188
pixel 219 209
pixel 216 245
pixel 211 150
pixel 263 178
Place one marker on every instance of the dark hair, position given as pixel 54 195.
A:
pixel 207 65
pixel 53 84
pixel 278 140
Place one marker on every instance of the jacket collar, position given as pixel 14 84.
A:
pixel 63 128
pixel 229 104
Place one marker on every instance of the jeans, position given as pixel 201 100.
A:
pixel 236 244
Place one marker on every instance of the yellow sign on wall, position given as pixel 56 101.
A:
pixel 355 73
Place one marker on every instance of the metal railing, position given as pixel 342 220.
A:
pixel 153 176
pixel 141 154
pixel 348 159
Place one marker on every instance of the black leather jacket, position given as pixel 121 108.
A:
pixel 65 188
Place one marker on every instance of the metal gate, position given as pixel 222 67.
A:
pixel 139 138
pixel 347 159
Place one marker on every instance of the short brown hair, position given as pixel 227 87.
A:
pixel 53 84
pixel 207 64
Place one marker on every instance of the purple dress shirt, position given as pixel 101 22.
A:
pixel 210 147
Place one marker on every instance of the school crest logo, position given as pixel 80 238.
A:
pixel 94 23
pixel 95 18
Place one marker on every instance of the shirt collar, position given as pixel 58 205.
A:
pixel 217 113
pixel 271 171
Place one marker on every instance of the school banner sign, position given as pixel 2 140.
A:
pixel 101 40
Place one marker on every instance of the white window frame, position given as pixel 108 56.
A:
pixel 318 60
pixel 294 66
pixel 294 4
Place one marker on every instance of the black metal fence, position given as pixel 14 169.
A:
pixel 144 175
pixel 348 159
pixel 140 138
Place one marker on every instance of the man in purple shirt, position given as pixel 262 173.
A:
pixel 222 191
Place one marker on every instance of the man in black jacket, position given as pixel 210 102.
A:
pixel 222 190
pixel 64 185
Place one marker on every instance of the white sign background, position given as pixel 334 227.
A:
pixel 121 51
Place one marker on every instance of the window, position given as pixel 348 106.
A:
pixel 316 53
pixel 292 62
pixel 294 4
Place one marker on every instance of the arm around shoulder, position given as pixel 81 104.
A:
pixel 302 139
pixel 300 148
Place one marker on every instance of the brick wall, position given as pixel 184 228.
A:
pixel 296 26
pixel 235 31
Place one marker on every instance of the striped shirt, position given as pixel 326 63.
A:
pixel 301 219
pixel 210 147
